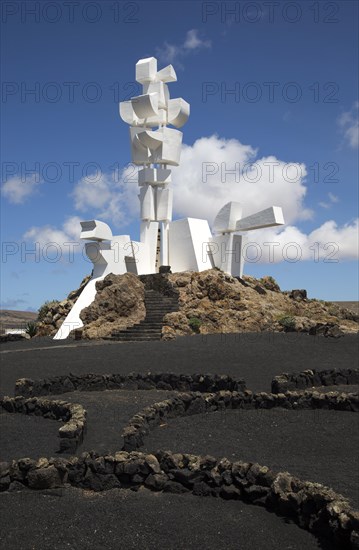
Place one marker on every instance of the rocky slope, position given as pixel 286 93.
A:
pixel 52 314
pixel 212 302
pixel 119 303
pixel 209 302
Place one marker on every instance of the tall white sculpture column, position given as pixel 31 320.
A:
pixel 154 150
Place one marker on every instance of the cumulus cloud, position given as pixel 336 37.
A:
pixel 19 188
pixel 52 243
pixel 168 53
pixel 349 125
pixel 111 196
pixel 213 172
pixel 328 243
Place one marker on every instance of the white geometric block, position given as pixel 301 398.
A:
pixel 146 69
pixel 226 251
pixel 227 217
pixel 151 139
pixel 72 320
pixel 154 176
pixel 164 204
pixel 187 241
pixel 145 105
pixel 167 74
pixel 128 114
pixel 147 203
pixel 140 154
pixel 95 230
pixel 164 259
pixel 148 250
pixel 266 218
pixel 159 88
pixel 178 112
pixel 170 151
pixel 157 120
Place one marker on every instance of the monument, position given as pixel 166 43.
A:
pixel 187 244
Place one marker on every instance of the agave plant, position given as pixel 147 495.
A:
pixel 31 329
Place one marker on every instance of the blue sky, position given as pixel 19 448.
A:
pixel 293 73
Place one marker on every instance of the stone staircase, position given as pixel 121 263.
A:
pixel 157 305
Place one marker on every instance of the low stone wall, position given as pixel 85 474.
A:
pixel 312 378
pixel 11 338
pixel 133 381
pixel 311 505
pixel 74 415
pixel 186 404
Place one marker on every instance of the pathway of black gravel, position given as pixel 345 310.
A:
pixel 315 445
pixel 318 446
pixel 255 357
pixel 124 520
pixel 27 436
pixel 108 412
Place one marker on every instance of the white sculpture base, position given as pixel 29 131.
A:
pixel 185 245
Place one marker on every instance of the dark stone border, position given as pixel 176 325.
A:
pixel 133 381
pixel 311 505
pixel 311 378
pixel 186 404
pixel 74 415
pixel 11 337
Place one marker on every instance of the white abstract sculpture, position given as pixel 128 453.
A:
pixel 186 244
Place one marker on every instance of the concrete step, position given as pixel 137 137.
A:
pixel 143 331
pixel 150 328
pixel 168 306
pixel 133 338
pixel 148 324
pixel 155 309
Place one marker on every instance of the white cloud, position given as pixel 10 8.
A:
pixel 333 199
pixel 112 197
pixel 194 42
pixel 19 188
pixel 349 125
pixel 168 53
pixel 203 184
pixel 328 243
pixel 53 242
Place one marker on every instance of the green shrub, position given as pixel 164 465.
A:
pixel 31 328
pixel 195 324
pixel 45 308
pixel 287 321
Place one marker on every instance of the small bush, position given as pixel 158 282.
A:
pixel 195 324
pixel 31 329
pixel 287 321
pixel 45 308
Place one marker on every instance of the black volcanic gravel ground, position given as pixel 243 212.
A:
pixel 108 412
pixel 316 445
pixel 123 519
pixel 31 436
pixel 255 357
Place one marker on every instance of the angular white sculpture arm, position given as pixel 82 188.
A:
pixel 265 218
